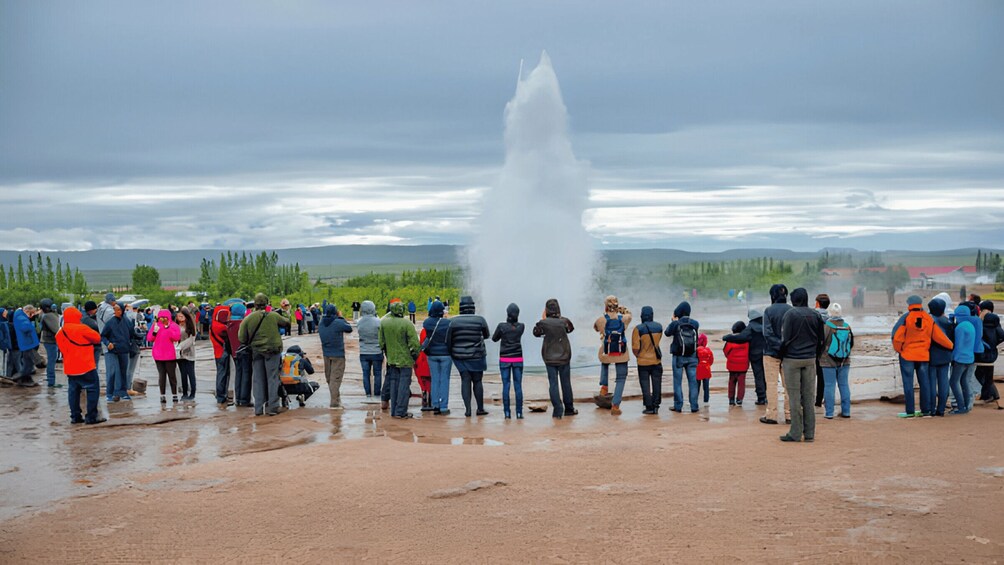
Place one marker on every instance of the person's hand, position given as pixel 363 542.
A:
pixel 111 346
pixel 156 328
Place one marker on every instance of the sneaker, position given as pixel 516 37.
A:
pixel 174 398
pixel 98 421
pixel 163 400
pixel 336 407
pixel 739 403
pixel 732 402
pixel 482 412
pixel 788 438
pixel 603 391
pixel 57 385
pixel 787 420
pixel 615 410
pixel 848 415
pixel 444 412
pixel 766 420
pixel 571 412
pixel 519 415
pixel 126 398
pixel 76 420
pixel 648 411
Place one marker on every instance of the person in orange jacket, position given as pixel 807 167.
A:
pixel 76 342
pixel 705 359
pixel 912 341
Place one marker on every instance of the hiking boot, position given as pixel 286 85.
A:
pixel 648 411
pixel 615 410
pixel 384 404
pixel 603 391
pixel 98 421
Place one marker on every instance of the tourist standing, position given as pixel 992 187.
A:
pixel 705 360
pixel 772 319
pixel 993 336
pixel 465 340
pixel 612 327
pixel 260 331
pixel 963 359
pixel 332 333
pixel 801 336
pixel 436 326
pixel 556 352
pixel 27 342
pixel 940 363
pixel 370 354
pixel 838 341
pixel 913 344
pixel 164 334
pixel 645 344
pixel 77 342
pixel 117 339
pixel 411 311
pixel 186 353
pixel 822 303
pixel 49 326
pixel 242 357
pixel 684 331
pixel 510 334
pixel 753 336
pixel 355 310
pixel 737 362
pixel 221 353
pixel 399 342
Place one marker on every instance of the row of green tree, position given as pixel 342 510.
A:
pixel 40 278
pixel 717 278
pixel 245 275
pixel 845 259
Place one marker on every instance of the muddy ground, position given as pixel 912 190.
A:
pixel 194 483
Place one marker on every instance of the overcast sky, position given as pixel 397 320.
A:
pixel 708 125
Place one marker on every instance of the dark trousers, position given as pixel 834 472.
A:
pixel 400 389
pixel 471 381
pixel 387 388
pixel 759 382
pixel 166 370
pixel 820 384
pixel 88 383
pixel 187 370
pixel 985 375
pixel 562 374
pixel 650 379
pixel 27 363
pixel 222 378
pixel 242 379
pixel 737 385
pixel 939 375
pixel 705 385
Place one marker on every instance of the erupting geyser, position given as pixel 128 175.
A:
pixel 530 243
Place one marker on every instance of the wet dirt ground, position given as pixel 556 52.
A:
pixel 712 486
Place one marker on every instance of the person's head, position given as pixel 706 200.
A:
pixel 179 318
pixel 45 305
pixel 3 313
pixel 800 297
pixel 682 310
pixel 823 301
pixel 284 304
pixel 109 298
pixel 552 309
pixel 987 305
pixel 937 307
pixel 238 310
pixel 835 310
pixel 975 298
pixel 397 309
pixel 221 314
pixel 610 304
pixel 29 310
pixel 331 311
pixel 71 315
pixel 512 313
pixel 90 307
pixel 702 340
pixel 778 294
pixel 755 314
pixel 972 307
pixel 914 302
pixel 367 308
pixel 164 316
pixel 261 301
pixel 466 305
pixel 436 309
pixel 188 322
pixel 647 314
pixel 117 309
pixel 738 327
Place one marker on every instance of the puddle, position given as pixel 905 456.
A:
pixel 411 437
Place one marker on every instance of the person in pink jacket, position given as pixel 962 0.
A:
pixel 165 334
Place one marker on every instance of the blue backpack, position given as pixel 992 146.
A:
pixel 841 342
pixel 614 342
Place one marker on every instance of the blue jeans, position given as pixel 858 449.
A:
pixel 512 372
pixel 51 354
pixel 938 375
pixel 970 386
pixel 961 393
pixel 681 364
pixel 833 378
pixel 242 379
pixel 116 368
pixel 88 383
pixel 620 377
pixel 907 369
pixel 371 363
pixel 439 370
pixel 400 389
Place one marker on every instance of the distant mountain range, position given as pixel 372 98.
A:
pixel 109 259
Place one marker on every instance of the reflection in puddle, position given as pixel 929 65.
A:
pixel 410 437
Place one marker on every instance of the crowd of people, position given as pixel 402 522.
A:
pixel 794 350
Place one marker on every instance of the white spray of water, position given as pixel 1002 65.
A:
pixel 530 243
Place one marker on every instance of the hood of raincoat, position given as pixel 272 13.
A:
pixel 70 316
pixel 330 315
pixel 368 308
pixel 397 309
pixel 937 307
pixel 552 308
pixel 702 340
pixel 437 309
pixel 682 310
pixel 647 314
pixel 512 313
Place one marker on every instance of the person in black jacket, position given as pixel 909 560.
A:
pixel 117 338
pixel 753 335
pixel 465 340
pixel 772 318
pixel 556 351
pixel 941 359
pixel 993 336
pixel 683 330
pixel 801 338
pixel 510 333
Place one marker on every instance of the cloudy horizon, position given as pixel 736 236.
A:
pixel 296 124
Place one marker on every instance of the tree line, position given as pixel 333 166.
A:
pixel 40 278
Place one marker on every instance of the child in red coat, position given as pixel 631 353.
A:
pixel 424 376
pixel 705 358
pixel 737 356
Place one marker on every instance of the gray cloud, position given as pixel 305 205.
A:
pixel 195 125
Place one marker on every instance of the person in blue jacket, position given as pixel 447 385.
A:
pixel 27 340
pixel 332 333
pixel 963 359
pixel 436 327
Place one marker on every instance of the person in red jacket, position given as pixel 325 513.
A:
pixel 705 359
pixel 424 376
pixel 737 361
pixel 76 342
pixel 221 352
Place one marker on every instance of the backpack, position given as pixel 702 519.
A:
pixel 614 342
pixel 290 371
pixel 686 337
pixel 840 342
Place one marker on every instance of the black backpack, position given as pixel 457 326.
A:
pixel 686 339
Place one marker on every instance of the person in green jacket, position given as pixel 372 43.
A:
pixel 399 342
pixel 260 331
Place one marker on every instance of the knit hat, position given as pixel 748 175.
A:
pixel 834 310
pixel 260 300
pixel 90 305
pixel 914 300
